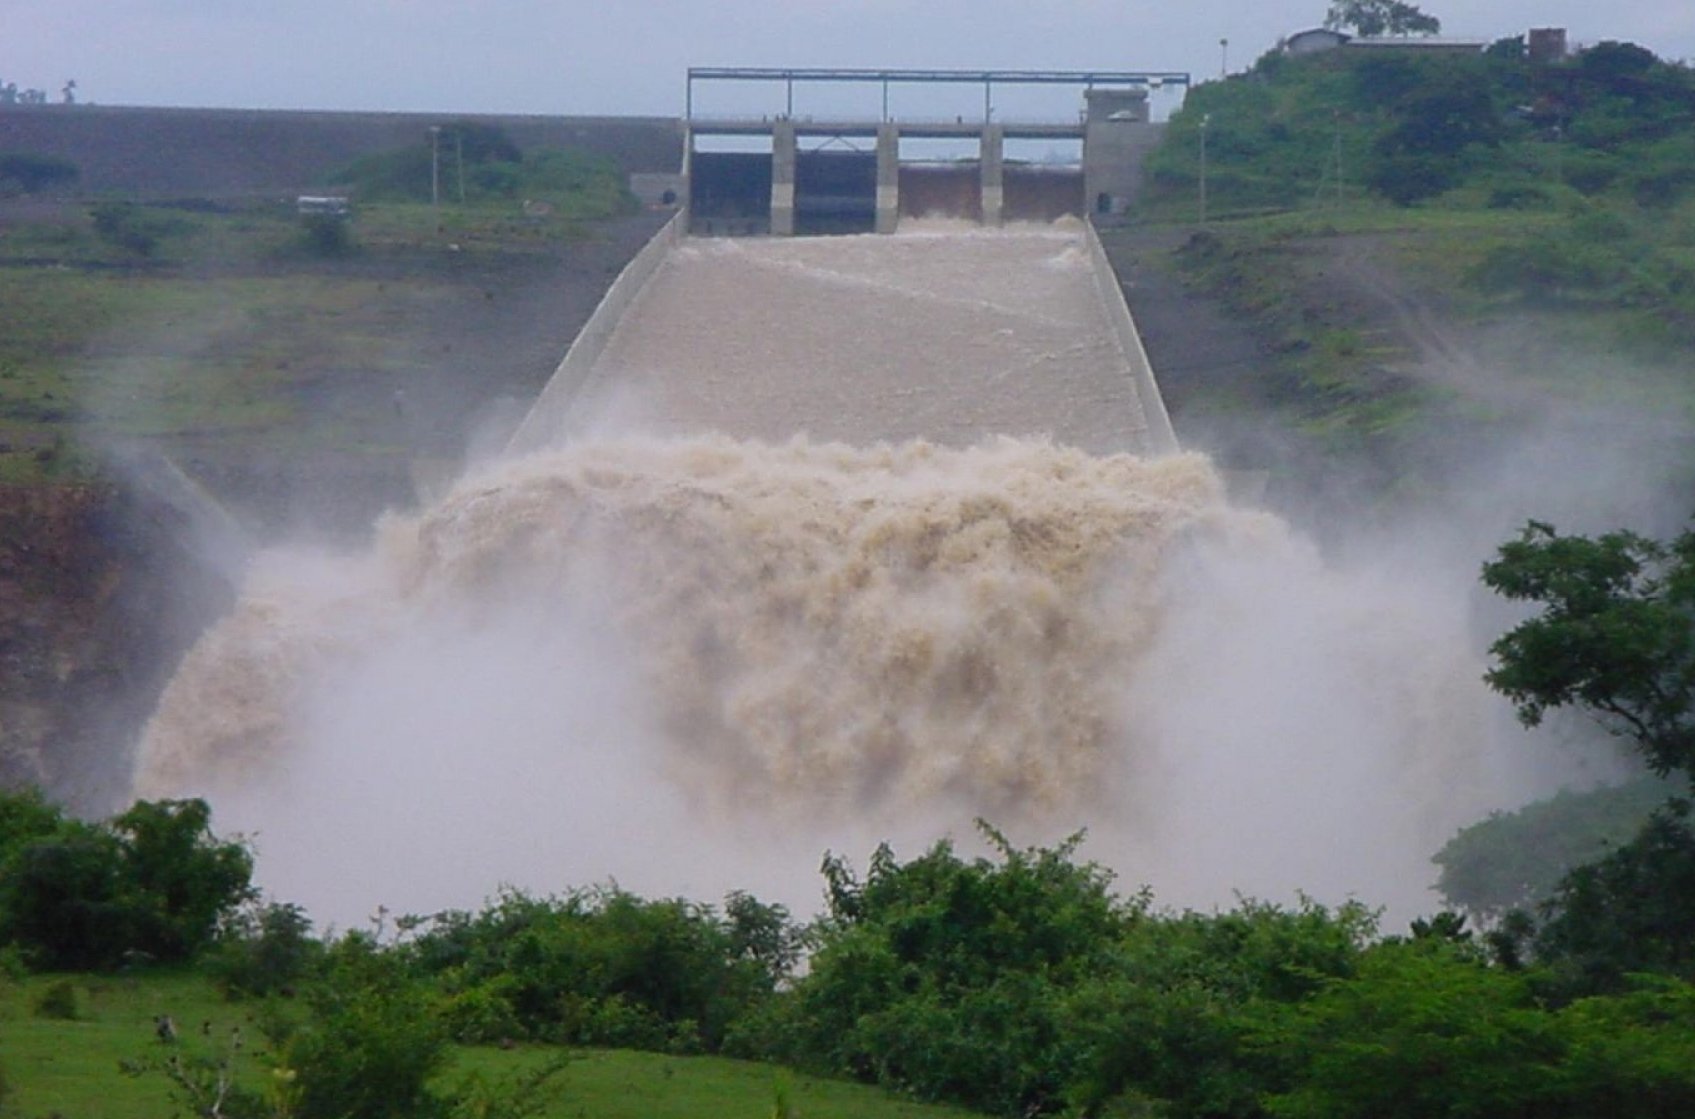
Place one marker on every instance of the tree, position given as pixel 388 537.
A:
pixel 1422 1029
pixel 1515 860
pixel 1628 913
pixel 179 879
pixel 1615 637
pixel 1371 18
pixel 153 881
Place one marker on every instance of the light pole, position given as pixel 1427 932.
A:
pixel 1224 58
pixel 1206 119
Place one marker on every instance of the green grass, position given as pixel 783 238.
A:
pixel 229 330
pixel 100 355
pixel 72 1068
pixel 1590 350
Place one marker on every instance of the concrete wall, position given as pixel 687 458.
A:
pixel 1160 437
pixel 546 418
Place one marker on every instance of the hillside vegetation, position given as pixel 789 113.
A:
pixel 206 324
pixel 1427 239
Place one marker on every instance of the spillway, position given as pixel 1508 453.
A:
pixel 947 332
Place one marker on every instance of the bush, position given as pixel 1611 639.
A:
pixel 58 1000
pixel 950 979
pixel 265 950
pixel 605 967
pixel 327 235
pixel 1419 1031
pixel 371 1045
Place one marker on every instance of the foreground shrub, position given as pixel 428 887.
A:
pixel 605 967
pixel 265 950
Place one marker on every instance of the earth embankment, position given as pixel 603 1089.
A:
pixel 212 153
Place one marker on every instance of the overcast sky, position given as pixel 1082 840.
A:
pixel 629 56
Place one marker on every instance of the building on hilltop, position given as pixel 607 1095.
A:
pixel 1318 39
pixel 1312 41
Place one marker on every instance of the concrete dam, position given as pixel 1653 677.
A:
pixel 958 327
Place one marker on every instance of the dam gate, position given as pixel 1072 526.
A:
pixel 845 173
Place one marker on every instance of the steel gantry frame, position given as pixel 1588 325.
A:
pixel 1147 79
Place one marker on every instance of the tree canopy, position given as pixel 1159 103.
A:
pixel 1615 636
pixel 1372 18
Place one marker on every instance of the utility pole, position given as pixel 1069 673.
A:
pixel 1224 58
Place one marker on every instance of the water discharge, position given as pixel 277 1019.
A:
pixel 692 660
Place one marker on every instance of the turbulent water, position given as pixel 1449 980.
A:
pixel 817 626
pixel 948 333
pixel 692 661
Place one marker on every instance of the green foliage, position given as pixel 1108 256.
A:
pixel 1633 1055
pixel 949 979
pixel 264 950
pixel 133 229
pixel 1515 860
pixel 33 174
pixel 371 1045
pixel 1632 911
pixel 1412 126
pixel 179 880
pixel 1174 1017
pixel 604 967
pixel 478 164
pixel 153 883
pixel 1381 17
pixel 1614 637
pixel 326 235
pixel 58 1000
pixel 1422 1029
pixel 941 976
pixel 61 899
pixel 25 815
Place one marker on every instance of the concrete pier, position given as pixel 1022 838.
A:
pixel 783 158
pixel 888 177
pixel 994 180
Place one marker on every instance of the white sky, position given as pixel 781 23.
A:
pixel 629 56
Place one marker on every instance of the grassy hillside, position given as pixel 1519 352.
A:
pixel 225 326
pixel 73 1067
pixel 1427 248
